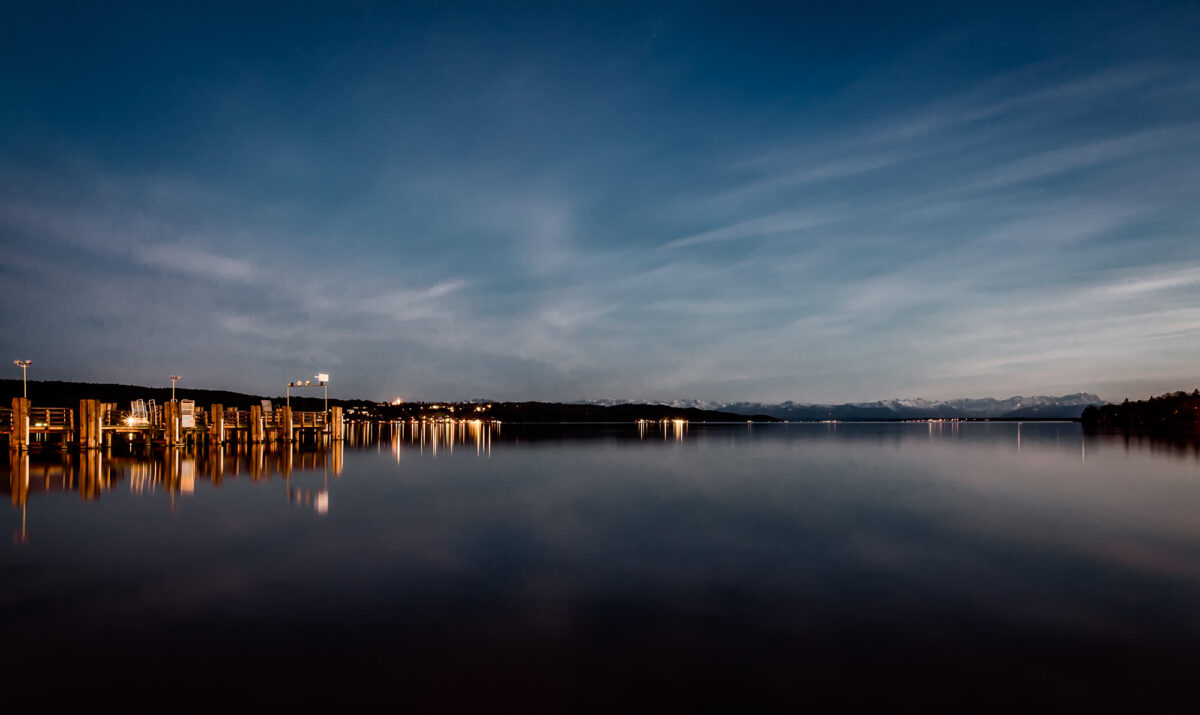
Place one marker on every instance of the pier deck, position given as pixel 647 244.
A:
pixel 95 424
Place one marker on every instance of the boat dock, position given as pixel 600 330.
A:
pixel 98 424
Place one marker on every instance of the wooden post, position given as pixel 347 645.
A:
pixel 171 426
pixel 20 424
pixel 285 422
pixel 90 429
pixel 233 423
pixel 256 424
pixel 216 424
pixel 335 423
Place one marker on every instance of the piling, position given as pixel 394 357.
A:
pixel 216 424
pixel 20 424
pixel 335 424
pixel 285 422
pixel 90 430
pixel 256 424
pixel 171 424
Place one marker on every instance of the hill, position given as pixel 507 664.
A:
pixel 1171 411
pixel 56 393
pixel 1018 407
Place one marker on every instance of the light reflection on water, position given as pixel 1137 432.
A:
pixel 562 566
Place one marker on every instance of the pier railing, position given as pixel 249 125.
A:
pixel 42 419
pixel 52 419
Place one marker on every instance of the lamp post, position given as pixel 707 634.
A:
pixel 174 379
pixel 323 381
pixel 290 385
pixel 24 365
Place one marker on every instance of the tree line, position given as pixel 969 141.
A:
pixel 1172 410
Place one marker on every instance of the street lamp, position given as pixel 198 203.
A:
pixel 174 379
pixel 323 381
pixel 290 385
pixel 24 365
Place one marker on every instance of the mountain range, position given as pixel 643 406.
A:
pixel 1019 407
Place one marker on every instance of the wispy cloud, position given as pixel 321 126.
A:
pixel 184 259
pixel 757 228
pixel 412 304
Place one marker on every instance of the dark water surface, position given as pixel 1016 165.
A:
pixel 953 566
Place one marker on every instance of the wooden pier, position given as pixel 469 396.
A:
pixel 95 425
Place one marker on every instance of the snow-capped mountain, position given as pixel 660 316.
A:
pixel 1064 407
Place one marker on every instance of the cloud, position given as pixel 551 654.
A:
pixel 412 304
pixel 756 228
pixel 582 228
pixel 193 261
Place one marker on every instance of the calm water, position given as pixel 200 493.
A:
pixel 968 566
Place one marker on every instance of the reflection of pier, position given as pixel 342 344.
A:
pixel 93 472
pixel 96 424
pixel 177 470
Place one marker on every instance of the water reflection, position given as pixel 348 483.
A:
pixel 746 565
pixel 173 471
pixel 669 429
pixel 179 470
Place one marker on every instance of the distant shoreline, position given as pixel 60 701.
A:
pixel 63 393
pixel 1170 412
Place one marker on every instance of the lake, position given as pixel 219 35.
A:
pixel 676 567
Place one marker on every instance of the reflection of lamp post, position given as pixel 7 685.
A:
pixel 174 379
pixel 24 365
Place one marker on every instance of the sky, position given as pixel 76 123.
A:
pixel 746 201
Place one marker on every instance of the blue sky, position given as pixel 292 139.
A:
pixel 698 200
